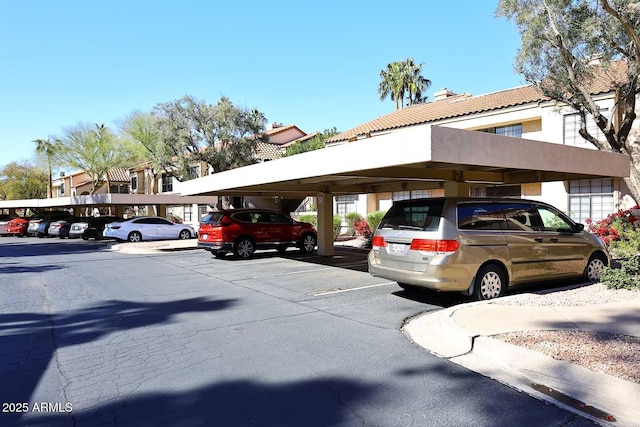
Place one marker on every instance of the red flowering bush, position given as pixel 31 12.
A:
pixel 361 226
pixel 620 231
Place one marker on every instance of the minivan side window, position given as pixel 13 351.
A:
pixel 480 216
pixel 421 214
pixel 552 221
pixel 521 217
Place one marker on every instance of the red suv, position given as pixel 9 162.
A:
pixel 242 231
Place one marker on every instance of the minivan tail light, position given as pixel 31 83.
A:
pixel 378 241
pixel 430 245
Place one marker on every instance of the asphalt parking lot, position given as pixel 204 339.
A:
pixel 90 336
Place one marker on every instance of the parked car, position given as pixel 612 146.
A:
pixel 481 246
pixel 36 229
pixel 147 228
pixel 91 227
pixel 18 226
pixel 61 227
pixel 243 231
pixel 4 224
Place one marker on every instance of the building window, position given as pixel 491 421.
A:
pixel 188 216
pixel 497 191
pixel 203 210
pixel 590 199
pixel 410 195
pixel 62 188
pixel 345 205
pixel 167 184
pixel 134 183
pixel 119 188
pixel 572 127
pixel 514 130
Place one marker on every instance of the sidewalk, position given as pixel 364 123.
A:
pixel 463 333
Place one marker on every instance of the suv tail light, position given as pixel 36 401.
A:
pixel 429 245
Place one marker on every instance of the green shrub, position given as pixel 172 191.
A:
pixel 337 226
pixel 313 219
pixel 351 218
pixel 625 277
pixel 374 219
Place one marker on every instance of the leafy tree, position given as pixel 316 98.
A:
pixel 566 45
pixel 93 149
pixel 315 143
pixel 49 149
pixel 403 78
pixel 144 129
pixel 22 181
pixel 222 135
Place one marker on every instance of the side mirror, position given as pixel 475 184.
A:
pixel 577 228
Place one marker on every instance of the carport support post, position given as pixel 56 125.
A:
pixel 325 224
pixel 456 189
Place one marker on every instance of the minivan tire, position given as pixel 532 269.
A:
pixel 490 283
pixel 594 267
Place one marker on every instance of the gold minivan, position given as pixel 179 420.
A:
pixel 481 246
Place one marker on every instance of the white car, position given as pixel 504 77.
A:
pixel 147 228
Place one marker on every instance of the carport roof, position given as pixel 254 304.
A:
pixel 416 157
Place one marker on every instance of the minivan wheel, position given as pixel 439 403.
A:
pixel 244 248
pixel 490 283
pixel 594 267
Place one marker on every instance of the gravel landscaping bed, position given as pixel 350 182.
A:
pixel 612 354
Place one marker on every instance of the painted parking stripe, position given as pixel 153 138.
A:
pixel 339 291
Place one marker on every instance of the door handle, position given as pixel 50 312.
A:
pixel 554 240
pixel 539 240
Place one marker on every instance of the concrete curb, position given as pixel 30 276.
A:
pixel 566 385
pixel 154 246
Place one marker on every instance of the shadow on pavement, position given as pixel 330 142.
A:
pixel 28 341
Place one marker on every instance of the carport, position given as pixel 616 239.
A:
pixel 159 202
pixel 419 157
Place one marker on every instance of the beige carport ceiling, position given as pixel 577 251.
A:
pixel 418 157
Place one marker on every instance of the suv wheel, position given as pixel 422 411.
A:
pixel 490 283
pixel 308 243
pixel 244 248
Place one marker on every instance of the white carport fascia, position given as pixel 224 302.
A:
pixel 106 199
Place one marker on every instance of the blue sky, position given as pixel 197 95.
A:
pixel 312 64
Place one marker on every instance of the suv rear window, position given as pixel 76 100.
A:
pixel 423 214
pixel 212 218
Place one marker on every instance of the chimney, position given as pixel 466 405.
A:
pixel 443 93
pixel 274 125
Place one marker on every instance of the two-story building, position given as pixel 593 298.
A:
pixel 522 112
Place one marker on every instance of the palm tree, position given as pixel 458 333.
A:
pixel 49 149
pixel 400 78
pixel 416 84
pixel 391 83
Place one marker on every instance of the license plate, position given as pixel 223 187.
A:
pixel 205 236
pixel 397 248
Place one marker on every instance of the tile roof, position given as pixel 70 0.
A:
pixel 266 151
pixel 302 139
pixel 280 129
pixel 466 104
pixel 118 175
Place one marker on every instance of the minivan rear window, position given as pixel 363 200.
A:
pixel 423 214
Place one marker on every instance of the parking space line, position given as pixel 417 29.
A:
pixel 339 291
pixel 291 272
